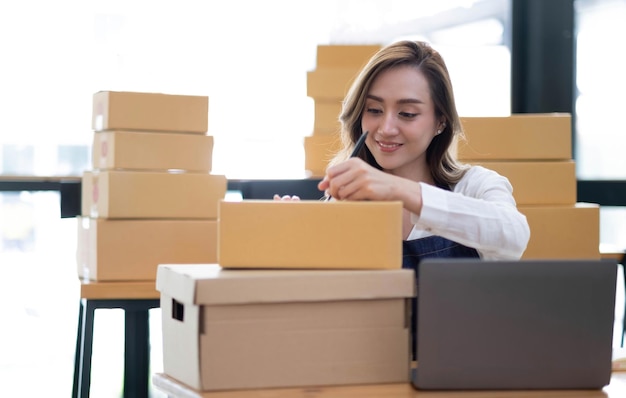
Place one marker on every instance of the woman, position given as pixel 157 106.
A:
pixel 404 99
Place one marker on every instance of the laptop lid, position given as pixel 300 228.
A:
pixel 528 324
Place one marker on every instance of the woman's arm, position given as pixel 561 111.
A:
pixel 480 212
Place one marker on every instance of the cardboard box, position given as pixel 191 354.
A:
pixel 345 55
pixel 310 234
pixel 327 116
pixel 127 250
pixel 114 110
pixel 566 232
pixel 86 193
pixel 318 151
pixel 517 137
pixel 152 151
pixel 148 194
pixel 330 84
pixel 243 329
pixel 539 183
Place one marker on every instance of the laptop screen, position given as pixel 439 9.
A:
pixel 525 324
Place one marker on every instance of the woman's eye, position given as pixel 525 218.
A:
pixel 374 110
pixel 408 115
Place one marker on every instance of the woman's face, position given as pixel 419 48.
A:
pixel 400 117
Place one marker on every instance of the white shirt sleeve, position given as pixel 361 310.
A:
pixel 479 212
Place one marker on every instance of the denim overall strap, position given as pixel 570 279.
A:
pixel 413 251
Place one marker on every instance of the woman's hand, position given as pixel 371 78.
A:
pixel 354 179
pixel 286 197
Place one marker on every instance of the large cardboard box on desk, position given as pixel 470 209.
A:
pixel 310 234
pixel 565 232
pixel 125 250
pixel 118 110
pixel 152 151
pixel 243 329
pixel 147 194
pixel 517 137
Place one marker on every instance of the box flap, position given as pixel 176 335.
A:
pixel 209 284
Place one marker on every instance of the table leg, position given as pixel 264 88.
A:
pixel 623 262
pixel 136 353
pixel 78 353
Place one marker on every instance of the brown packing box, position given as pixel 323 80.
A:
pixel 124 250
pixel 327 116
pixel 116 110
pixel 539 183
pixel 310 234
pixel 329 84
pixel 152 151
pixel 345 56
pixel 86 193
pixel 567 232
pixel 517 137
pixel 244 329
pixel 147 194
pixel 318 151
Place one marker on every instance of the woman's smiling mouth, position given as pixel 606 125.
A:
pixel 388 146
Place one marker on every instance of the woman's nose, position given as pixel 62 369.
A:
pixel 388 125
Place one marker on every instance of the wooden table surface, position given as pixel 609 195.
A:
pixel 616 389
pixel 118 290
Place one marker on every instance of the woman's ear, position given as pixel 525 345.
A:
pixel 442 125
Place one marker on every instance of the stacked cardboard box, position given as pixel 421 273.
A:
pixel 305 293
pixel 534 152
pixel 336 68
pixel 150 196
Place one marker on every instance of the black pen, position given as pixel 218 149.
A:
pixel 359 144
pixel 357 148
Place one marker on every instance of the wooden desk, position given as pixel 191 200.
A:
pixel 174 389
pixel 136 299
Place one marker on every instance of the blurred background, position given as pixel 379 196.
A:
pixel 250 57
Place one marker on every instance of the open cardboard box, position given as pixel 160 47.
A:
pixel 241 329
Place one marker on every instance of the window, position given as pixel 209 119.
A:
pixel 252 68
pixel 600 81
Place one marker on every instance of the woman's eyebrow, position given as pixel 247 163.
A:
pixel 401 101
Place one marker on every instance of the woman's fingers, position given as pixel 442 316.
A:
pixel 286 197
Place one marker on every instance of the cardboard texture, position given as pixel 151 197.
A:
pixel 152 151
pixel 310 234
pixel 146 194
pixel 345 56
pixel 330 84
pixel 318 151
pixel 517 137
pixel 327 116
pixel 86 193
pixel 539 182
pixel 115 110
pixel 129 250
pixel 565 232
pixel 243 329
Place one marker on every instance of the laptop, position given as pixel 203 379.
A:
pixel 528 324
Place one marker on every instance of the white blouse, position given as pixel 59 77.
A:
pixel 480 212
